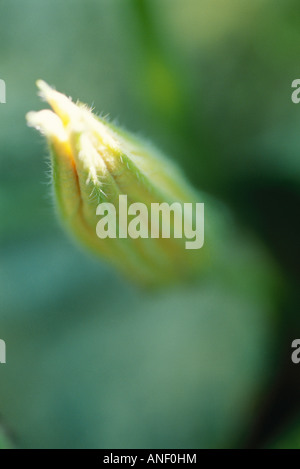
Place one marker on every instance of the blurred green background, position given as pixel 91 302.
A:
pixel 92 361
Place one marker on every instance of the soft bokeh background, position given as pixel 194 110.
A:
pixel 92 361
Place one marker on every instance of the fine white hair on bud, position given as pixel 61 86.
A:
pixel 95 162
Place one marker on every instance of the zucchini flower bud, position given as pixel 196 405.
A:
pixel 119 196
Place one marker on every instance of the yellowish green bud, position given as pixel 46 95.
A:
pixel 96 163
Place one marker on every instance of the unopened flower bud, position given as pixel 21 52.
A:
pixel 114 193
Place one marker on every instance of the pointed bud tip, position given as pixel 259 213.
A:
pixel 48 123
pixel 61 104
pixel 46 92
pixel 43 86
